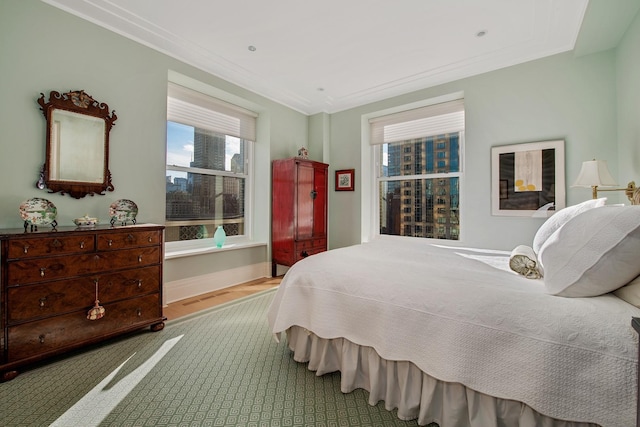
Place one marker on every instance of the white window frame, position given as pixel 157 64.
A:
pixel 370 164
pixel 198 246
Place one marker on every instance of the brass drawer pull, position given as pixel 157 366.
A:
pixel 139 283
pixel 130 237
pixel 139 312
pixel 56 243
pixel 109 242
pixel 97 311
pixel 42 269
pixel 26 248
pixel 150 239
pixel 139 258
pixel 82 245
pixel 43 300
pixel 41 339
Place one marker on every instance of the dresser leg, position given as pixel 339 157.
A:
pixel 157 327
pixel 8 375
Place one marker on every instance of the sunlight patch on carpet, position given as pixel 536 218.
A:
pixel 94 407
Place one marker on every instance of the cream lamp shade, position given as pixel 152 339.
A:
pixel 595 173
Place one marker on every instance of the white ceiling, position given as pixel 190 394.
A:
pixel 331 55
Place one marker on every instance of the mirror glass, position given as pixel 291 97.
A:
pixel 77 147
pixel 77 150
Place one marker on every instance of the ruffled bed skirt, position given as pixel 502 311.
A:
pixel 416 395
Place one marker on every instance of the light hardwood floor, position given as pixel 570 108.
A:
pixel 191 305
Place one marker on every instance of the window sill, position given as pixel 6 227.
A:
pixel 171 253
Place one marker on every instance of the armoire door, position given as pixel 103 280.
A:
pixel 320 202
pixel 305 201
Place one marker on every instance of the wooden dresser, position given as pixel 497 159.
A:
pixel 49 280
pixel 299 210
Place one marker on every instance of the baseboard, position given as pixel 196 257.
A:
pixel 193 286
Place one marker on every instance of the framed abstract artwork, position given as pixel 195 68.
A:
pixel 528 179
pixel 345 180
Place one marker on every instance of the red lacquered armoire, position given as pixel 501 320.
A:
pixel 299 210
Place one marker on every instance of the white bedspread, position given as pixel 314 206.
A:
pixel 462 316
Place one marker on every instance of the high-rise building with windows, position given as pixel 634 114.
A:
pixel 423 207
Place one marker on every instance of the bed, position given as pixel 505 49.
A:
pixel 455 336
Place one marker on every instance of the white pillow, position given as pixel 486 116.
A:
pixel 630 292
pixel 559 218
pixel 594 253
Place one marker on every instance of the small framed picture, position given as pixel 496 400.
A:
pixel 344 179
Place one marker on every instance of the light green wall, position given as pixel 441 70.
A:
pixel 319 133
pixel 559 97
pixel 628 90
pixel 43 48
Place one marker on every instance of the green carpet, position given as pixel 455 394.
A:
pixel 225 370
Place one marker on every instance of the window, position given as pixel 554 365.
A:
pixel 208 173
pixel 434 135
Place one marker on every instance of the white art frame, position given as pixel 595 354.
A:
pixel 528 179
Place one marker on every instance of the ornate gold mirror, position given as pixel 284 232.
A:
pixel 77 154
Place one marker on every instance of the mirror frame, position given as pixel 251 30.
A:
pixel 81 103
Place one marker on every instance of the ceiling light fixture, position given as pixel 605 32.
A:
pixel 481 33
pixel 252 48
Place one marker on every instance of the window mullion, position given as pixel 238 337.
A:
pixel 205 171
pixel 420 176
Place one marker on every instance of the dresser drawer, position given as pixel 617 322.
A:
pixel 304 248
pixel 32 302
pixel 128 239
pixel 36 247
pixel 129 283
pixel 28 271
pixel 129 258
pixel 311 244
pixel 49 299
pixel 304 253
pixel 40 337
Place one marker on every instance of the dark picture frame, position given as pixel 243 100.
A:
pixel 345 179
